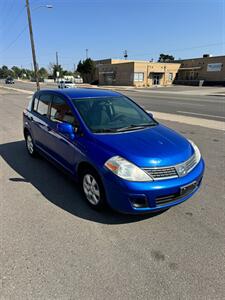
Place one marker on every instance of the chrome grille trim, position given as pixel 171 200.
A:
pixel 170 172
pixel 162 173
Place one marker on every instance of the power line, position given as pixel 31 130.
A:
pixel 7 10
pixel 196 47
pixel 17 37
pixel 11 8
pixel 9 26
pixel 183 49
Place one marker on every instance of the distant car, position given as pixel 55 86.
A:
pixel 9 80
pixel 118 152
pixel 66 84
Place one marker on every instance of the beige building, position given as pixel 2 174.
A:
pixel 208 69
pixel 135 73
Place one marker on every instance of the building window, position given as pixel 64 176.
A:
pixel 170 76
pixel 138 76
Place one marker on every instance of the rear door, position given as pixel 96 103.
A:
pixel 40 120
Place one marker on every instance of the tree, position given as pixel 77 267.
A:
pixel 57 70
pixel 4 72
pixel 43 73
pixel 67 73
pixel 165 58
pixel 17 71
pixel 87 69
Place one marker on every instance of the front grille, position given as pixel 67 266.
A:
pixel 162 173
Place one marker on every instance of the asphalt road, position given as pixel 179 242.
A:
pixel 168 100
pixel 53 246
pixel 198 106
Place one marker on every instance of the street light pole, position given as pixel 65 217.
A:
pixel 32 46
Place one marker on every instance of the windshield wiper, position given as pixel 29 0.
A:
pixel 135 126
pixel 104 130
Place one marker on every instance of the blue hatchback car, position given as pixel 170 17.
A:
pixel 119 154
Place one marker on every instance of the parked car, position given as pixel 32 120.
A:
pixel 9 80
pixel 118 153
pixel 66 84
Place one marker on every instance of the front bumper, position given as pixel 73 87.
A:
pixel 123 195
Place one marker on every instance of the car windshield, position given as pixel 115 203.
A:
pixel 112 114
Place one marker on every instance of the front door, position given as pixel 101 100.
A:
pixel 65 150
pixel 156 79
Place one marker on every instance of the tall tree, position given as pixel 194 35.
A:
pixel 87 70
pixel 165 58
pixel 4 71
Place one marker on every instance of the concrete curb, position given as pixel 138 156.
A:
pixel 17 90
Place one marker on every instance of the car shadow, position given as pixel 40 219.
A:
pixel 57 188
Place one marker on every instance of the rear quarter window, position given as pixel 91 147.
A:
pixel 41 105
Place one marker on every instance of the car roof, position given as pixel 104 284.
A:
pixel 78 93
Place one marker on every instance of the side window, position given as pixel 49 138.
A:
pixel 35 103
pixel 61 112
pixel 41 105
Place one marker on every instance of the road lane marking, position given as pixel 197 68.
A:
pixel 212 124
pixel 182 103
pixel 185 93
pixel 197 114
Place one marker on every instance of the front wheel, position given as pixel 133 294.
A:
pixel 93 189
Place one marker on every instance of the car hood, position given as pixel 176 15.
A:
pixel 150 147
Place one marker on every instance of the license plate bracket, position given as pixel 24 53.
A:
pixel 188 189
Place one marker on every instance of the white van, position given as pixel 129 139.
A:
pixel 66 84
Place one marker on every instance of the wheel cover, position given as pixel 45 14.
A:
pixel 91 189
pixel 30 145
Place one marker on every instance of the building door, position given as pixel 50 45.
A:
pixel 156 79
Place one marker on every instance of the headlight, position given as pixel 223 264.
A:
pixel 126 170
pixel 197 152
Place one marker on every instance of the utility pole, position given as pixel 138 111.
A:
pixel 86 53
pixel 57 58
pixel 32 45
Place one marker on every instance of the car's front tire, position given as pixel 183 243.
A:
pixel 30 145
pixel 92 188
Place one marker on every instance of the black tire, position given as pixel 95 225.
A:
pixel 95 188
pixel 30 145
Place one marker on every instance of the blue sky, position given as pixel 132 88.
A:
pixel 146 28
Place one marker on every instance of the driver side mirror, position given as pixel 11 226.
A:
pixel 66 129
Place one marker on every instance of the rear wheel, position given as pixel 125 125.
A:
pixel 93 189
pixel 30 145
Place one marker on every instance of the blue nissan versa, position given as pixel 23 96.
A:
pixel 118 153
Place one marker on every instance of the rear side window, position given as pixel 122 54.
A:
pixel 61 112
pixel 35 103
pixel 41 105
